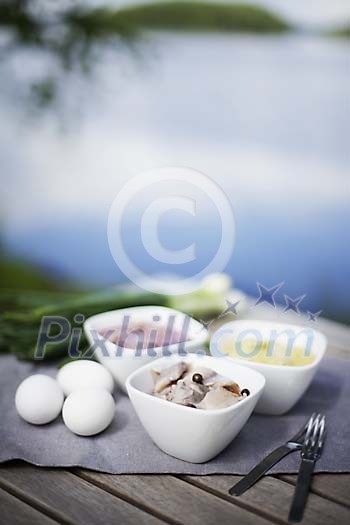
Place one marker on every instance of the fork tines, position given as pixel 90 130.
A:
pixel 314 437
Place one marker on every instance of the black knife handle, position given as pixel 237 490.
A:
pixel 301 490
pixel 257 472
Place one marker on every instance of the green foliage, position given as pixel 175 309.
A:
pixel 342 32
pixel 195 16
pixel 16 15
pixel 100 23
pixel 18 274
pixel 44 92
pixel 72 31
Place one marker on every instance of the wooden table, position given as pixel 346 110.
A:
pixel 42 495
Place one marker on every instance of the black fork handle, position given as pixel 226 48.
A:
pixel 301 490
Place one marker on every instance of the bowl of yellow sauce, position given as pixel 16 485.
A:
pixel 287 355
pixel 269 352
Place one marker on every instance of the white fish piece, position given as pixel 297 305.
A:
pixel 170 375
pixel 188 393
pixel 218 397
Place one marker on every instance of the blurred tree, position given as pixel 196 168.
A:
pixel 59 27
pixel 60 32
pixel 67 31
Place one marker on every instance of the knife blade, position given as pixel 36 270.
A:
pixel 257 472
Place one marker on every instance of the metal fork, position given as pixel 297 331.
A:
pixel 310 453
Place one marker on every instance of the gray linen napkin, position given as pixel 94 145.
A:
pixel 125 447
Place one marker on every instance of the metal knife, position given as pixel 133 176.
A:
pixel 295 443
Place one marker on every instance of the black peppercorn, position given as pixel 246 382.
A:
pixel 245 392
pixel 197 378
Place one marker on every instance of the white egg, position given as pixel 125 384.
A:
pixel 88 411
pixel 84 374
pixel 39 399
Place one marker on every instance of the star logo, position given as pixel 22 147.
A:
pixel 293 304
pixel 313 316
pixel 267 294
pixel 205 324
pixel 231 308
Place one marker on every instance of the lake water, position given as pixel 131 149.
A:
pixel 267 118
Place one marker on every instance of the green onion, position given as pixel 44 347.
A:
pixel 22 313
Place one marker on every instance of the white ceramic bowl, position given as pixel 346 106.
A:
pixel 122 361
pixel 285 385
pixel 186 433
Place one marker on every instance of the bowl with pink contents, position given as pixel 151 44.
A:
pixel 126 339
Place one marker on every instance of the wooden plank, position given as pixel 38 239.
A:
pixel 68 498
pixel 335 487
pixel 16 512
pixel 179 501
pixel 272 497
